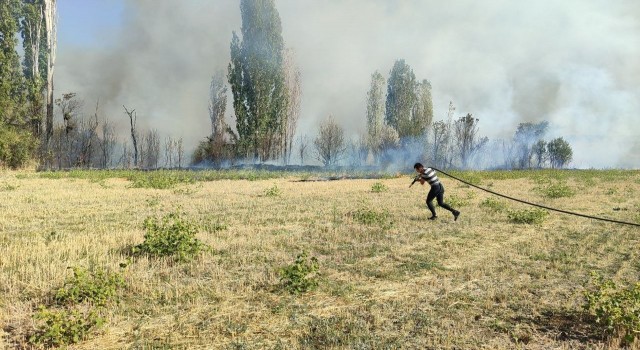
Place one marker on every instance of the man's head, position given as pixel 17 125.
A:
pixel 419 167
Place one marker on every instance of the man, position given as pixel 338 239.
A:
pixel 437 190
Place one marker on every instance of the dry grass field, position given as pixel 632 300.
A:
pixel 387 277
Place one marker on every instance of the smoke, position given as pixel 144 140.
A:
pixel 573 63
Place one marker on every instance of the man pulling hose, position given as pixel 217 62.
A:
pixel 436 192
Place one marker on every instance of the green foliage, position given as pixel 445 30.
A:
pixel 57 327
pixel 16 147
pixel 96 287
pixel 301 276
pixel 408 108
pixel 170 236
pixel 273 191
pixel 493 205
pixel 560 152
pixel 527 216
pixel 615 307
pixel 256 76
pixel 372 217
pixel 556 190
pixel 379 187
pixel 456 202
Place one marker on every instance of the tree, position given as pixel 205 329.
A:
pixel 11 79
pixel 539 151
pixel 401 99
pixel 467 139
pixel 257 80
pixel 50 20
pixel 213 149
pixel 560 153
pixel 330 144
pixel 423 110
pixel 375 113
pixel 34 44
pixel 133 118
pixel 292 80
pixel 303 145
pixel 527 134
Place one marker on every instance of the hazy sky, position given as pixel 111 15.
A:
pixel 574 63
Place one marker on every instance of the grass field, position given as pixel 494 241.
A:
pixel 386 277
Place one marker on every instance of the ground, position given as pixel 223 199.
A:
pixel 387 276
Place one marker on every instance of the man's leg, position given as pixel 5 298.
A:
pixel 441 203
pixel 430 197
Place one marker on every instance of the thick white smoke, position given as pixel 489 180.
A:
pixel 573 63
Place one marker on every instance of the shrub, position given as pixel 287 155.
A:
pixel 494 205
pixel 379 187
pixel 371 217
pixel 527 216
pixel 301 276
pixel 95 287
pixel 170 236
pixel 557 190
pixel 272 191
pixel 62 327
pixel 16 147
pixel 617 308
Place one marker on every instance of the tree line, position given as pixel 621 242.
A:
pixel 264 84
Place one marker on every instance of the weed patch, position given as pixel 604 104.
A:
pixel 615 307
pixel 556 190
pixel 96 287
pixel 371 217
pixel 273 191
pixel 493 205
pixel 379 187
pixel 170 236
pixel 59 327
pixel 527 216
pixel 301 276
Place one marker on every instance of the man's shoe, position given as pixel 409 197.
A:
pixel 455 215
pixel 433 217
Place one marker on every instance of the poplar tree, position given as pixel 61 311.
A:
pixel 401 98
pixel 11 82
pixel 257 78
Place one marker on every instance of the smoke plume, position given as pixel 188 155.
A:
pixel 573 63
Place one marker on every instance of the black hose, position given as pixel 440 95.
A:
pixel 538 205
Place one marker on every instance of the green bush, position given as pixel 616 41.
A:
pixel 372 217
pixel 493 205
pixel 556 190
pixel 615 307
pixel 301 276
pixel 272 191
pixel 379 187
pixel 159 179
pixel 16 147
pixel 96 287
pixel 61 327
pixel 170 236
pixel 527 216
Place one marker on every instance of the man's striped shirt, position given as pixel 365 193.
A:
pixel 430 176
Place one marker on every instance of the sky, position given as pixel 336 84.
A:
pixel 573 63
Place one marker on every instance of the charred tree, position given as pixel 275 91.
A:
pixel 132 120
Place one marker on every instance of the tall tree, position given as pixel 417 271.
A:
pixel 330 143
pixel 34 42
pixel 257 80
pixel 467 140
pixel 401 99
pixel 423 110
pixel 375 112
pixel 50 21
pixel 560 153
pixel 11 80
pixel 217 106
pixel 525 137
pixel 292 80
